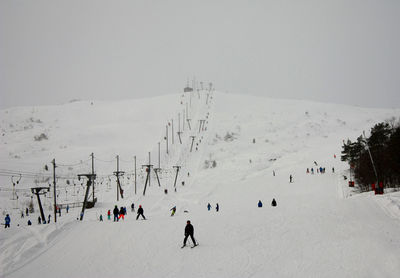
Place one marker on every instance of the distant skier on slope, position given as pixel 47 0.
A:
pixel 291 179
pixel 259 204
pixel 116 213
pixel 121 213
pixel 217 207
pixel 109 214
pixel 208 206
pixel 189 231
pixel 133 207
pixel 173 211
pixel 140 212
pixel 273 203
pixel 7 220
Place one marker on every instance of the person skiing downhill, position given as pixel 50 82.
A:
pixel 140 212
pixel 173 211
pixel 189 231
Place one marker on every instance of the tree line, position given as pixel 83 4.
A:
pixel 384 154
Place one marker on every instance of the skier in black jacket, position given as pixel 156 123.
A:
pixel 140 212
pixel 189 231
pixel 116 213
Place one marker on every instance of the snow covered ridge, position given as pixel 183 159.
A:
pixel 256 144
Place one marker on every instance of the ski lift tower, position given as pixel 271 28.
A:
pixel 91 178
pixel 37 192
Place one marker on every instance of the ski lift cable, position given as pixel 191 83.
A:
pixel 75 164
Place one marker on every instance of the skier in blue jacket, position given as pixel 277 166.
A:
pixel 7 221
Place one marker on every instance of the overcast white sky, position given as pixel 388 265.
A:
pixel 333 51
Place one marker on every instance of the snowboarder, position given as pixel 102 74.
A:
pixel 273 203
pixel 259 204
pixel 109 214
pixel 217 207
pixel 173 211
pixel 189 231
pixel 116 213
pixel 29 222
pixel 7 220
pixel 208 206
pixel 291 179
pixel 133 207
pixel 140 212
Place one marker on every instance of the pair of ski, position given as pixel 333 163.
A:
pixel 183 246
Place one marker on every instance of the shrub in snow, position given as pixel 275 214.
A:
pixel 229 137
pixel 41 137
pixel 210 164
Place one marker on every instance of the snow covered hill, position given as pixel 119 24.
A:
pixel 237 151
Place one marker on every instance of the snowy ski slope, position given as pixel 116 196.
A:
pixel 319 229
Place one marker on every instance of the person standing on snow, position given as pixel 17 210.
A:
pixel 189 231
pixel 109 214
pixel 7 220
pixel 140 212
pixel 217 207
pixel 259 204
pixel 116 213
pixel 208 206
pixel 273 203
pixel 133 207
pixel 291 179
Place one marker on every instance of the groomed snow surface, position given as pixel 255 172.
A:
pixel 319 228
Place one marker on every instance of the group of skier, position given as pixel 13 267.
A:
pixel 320 170
pixel 273 203
pixel 216 207
pixel 121 212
